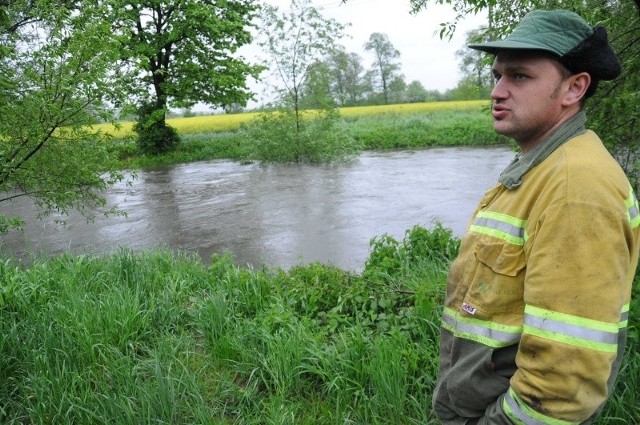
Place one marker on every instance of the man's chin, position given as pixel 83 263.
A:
pixel 501 128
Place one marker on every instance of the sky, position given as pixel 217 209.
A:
pixel 423 55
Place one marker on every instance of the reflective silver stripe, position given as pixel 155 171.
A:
pixel 449 320
pixel 508 228
pixel 624 316
pixel 634 213
pixel 502 226
pixel 520 413
pixel 633 209
pixel 488 333
pixel 514 411
pixel 493 334
pixel 573 330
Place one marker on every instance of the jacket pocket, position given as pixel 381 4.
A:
pixel 496 281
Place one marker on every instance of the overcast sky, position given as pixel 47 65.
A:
pixel 423 56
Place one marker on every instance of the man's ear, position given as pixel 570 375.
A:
pixel 578 85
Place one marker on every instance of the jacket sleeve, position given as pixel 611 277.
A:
pixel 578 260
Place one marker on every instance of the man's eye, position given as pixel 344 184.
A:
pixel 496 77
pixel 520 77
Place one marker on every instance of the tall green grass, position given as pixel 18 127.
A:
pixel 229 122
pixel 438 128
pixel 160 338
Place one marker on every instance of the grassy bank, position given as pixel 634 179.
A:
pixel 372 127
pixel 217 123
pixel 159 338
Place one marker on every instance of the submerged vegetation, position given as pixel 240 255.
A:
pixel 158 337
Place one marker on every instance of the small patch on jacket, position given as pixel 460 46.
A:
pixel 468 308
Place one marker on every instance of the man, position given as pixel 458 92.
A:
pixel 534 324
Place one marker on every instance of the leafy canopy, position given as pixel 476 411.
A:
pixel 185 52
pixel 182 53
pixel 57 75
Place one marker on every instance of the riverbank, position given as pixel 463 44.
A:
pixel 158 337
pixel 381 127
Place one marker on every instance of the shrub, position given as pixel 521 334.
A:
pixel 280 137
pixel 390 257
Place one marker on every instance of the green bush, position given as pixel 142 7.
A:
pixel 336 301
pixel 281 137
pixel 389 257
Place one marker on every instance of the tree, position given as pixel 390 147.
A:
pixel 57 68
pixel 415 92
pixel 397 90
pixel 384 66
pixel 467 89
pixel 347 76
pixel 434 96
pixel 372 96
pixel 295 41
pixel 184 53
pixel 316 91
pixel 476 69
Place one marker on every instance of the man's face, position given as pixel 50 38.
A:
pixel 527 97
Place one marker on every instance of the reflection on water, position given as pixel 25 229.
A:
pixel 279 215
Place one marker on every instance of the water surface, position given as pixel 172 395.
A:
pixel 280 215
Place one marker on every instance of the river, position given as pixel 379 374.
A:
pixel 275 215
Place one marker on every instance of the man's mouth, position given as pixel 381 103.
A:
pixel 499 112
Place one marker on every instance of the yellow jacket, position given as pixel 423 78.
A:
pixel 537 301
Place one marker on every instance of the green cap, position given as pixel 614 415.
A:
pixel 567 36
pixel 553 31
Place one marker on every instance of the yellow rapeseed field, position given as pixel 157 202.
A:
pixel 228 122
pixel 411 107
pixel 189 125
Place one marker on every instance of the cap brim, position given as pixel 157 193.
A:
pixel 493 47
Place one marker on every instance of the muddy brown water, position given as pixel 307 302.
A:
pixel 278 215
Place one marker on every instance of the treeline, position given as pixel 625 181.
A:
pixel 341 79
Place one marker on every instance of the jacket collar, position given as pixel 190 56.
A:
pixel 512 176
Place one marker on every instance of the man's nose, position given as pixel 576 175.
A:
pixel 499 90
